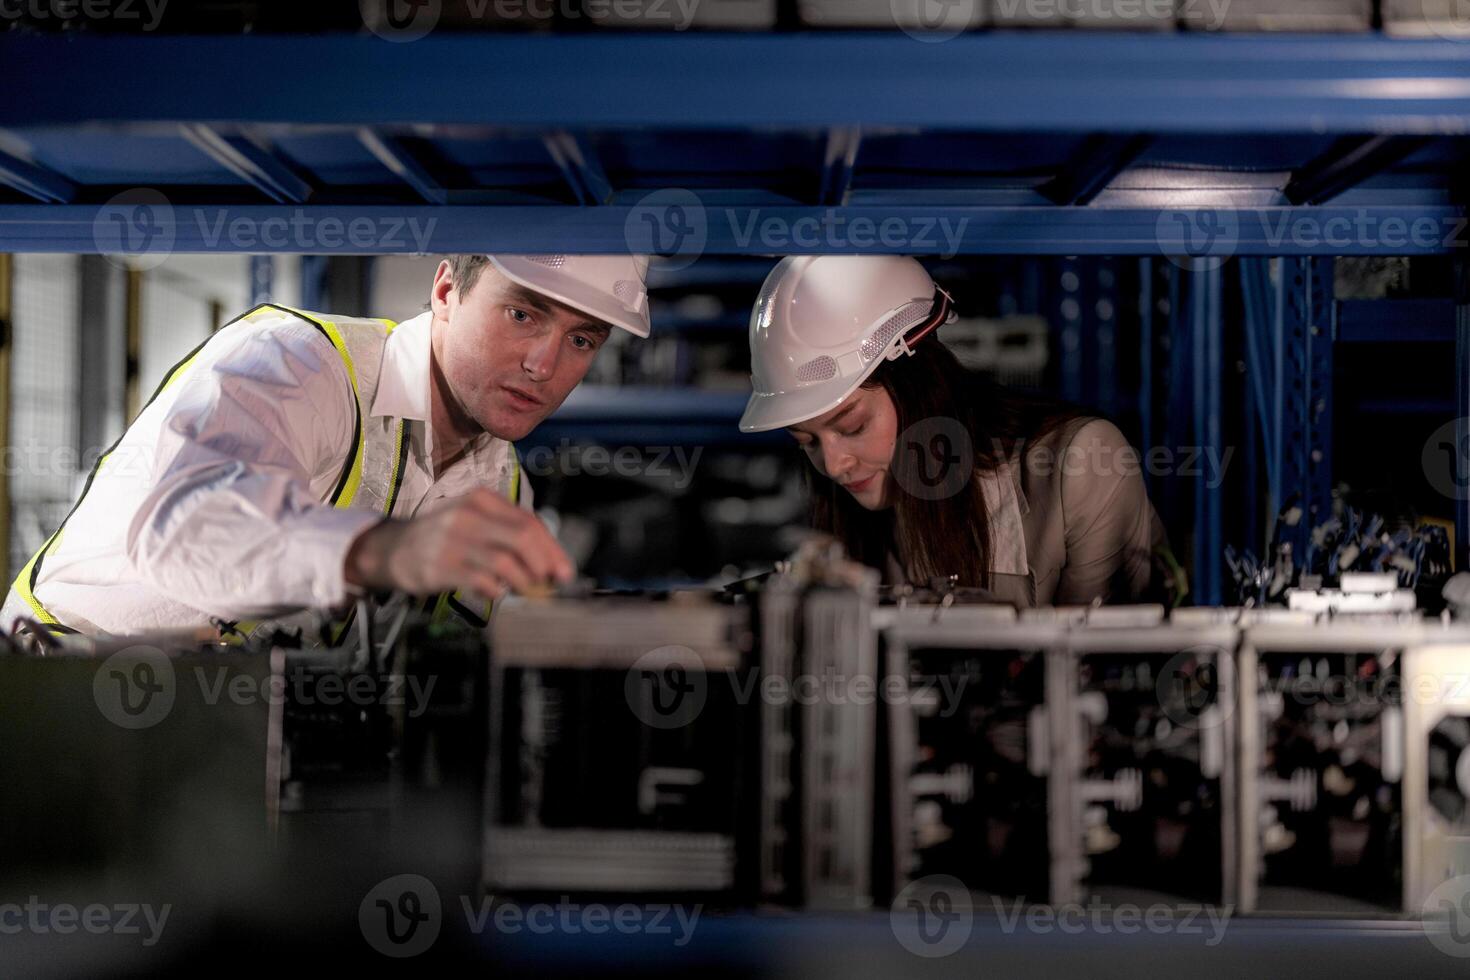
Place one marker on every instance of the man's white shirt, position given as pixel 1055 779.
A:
pixel 212 502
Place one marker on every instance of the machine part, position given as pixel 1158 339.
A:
pixel 1153 712
pixel 994 724
pixel 1436 768
pixel 633 703
pixel 1347 834
pixel 837 746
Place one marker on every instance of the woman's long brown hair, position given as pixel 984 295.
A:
pixel 950 535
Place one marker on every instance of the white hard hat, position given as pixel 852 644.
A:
pixel 609 287
pixel 823 323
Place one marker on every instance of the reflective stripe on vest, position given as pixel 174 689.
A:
pixel 379 449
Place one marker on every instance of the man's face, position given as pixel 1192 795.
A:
pixel 511 355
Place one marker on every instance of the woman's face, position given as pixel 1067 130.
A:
pixel 853 445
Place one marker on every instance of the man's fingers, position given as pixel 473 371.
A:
pixel 533 543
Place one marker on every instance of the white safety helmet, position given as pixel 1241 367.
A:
pixel 611 288
pixel 823 323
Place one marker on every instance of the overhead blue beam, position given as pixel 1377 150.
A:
pixel 1350 161
pixel 1187 83
pixel 1101 159
pixel 839 162
pixel 35 181
pixel 752 230
pixel 253 164
pixel 392 154
pixel 579 165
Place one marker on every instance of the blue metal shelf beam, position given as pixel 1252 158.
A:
pixel 579 165
pixel 839 163
pixel 1206 295
pixel 35 181
pixel 250 162
pixel 1100 161
pixel 750 230
pixel 1351 160
pixel 1008 81
pixel 391 153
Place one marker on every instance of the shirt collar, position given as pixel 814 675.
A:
pixel 403 380
pixel 1004 506
pixel 404 387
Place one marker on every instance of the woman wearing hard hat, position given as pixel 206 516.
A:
pixel 925 471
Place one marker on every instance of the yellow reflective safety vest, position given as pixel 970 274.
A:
pixel 371 476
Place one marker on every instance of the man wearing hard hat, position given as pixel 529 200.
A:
pixel 297 460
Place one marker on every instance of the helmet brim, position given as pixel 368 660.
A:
pixel 571 292
pixel 776 410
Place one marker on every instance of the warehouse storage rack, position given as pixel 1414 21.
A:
pixel 1167 152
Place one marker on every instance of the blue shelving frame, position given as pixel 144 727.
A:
pixel 1071 144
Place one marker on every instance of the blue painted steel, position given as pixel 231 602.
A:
pixel 392 154
pixel 1206 298
pixel 34 180
pixel 250 162
pixel 1146 352
pixel 839 162
pixel 1102 347
pixel 1178 421
pixel 580 167
pixel 1003 81
pixel 1097 164
pixel 314 283
pixel 734 230
pixel 1069 333
pixel 1320 367
pixel 1305 310
pixel 1262 370
pixel 1394 321
pixel 1462 400
pixel 1348 163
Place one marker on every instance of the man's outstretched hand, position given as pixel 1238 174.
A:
pixel 481 542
